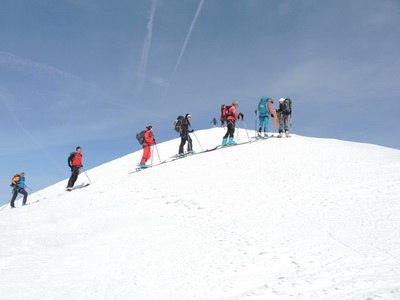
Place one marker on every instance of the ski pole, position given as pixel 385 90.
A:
pixel 198 141
pixel 255 122
pixel 158 152
pixel 238 131
pixel 152 154
pixel 244 124
pixel 35 192
pixel 87 175
pixel 196 138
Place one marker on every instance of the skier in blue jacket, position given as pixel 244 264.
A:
pixel 18 182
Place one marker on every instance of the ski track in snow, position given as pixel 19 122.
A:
pixel 298 218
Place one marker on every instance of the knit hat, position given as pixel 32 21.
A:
pixel 282 99
pixel 188 116
pixel 149 127
pixel 235 102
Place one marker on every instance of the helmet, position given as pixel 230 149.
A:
pixel 282 99
pixel 235 102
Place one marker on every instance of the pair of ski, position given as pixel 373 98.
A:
pixel 138 169
pixel 78 187
pixel 81 186
pixel 177 156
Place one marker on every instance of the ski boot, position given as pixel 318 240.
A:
pixel 265 135
pixel 287 133
pixel 143 166
pixel 224 142
pixel 280 134
pixel 231 142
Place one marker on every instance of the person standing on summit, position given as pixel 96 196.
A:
pixel 264 111
pixel 283 114
pixel 75 163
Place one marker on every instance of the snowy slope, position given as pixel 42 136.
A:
pixel 299 218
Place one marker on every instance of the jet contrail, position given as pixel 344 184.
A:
pixel 186 41
pixel 146 46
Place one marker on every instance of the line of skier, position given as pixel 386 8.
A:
pixel 229 115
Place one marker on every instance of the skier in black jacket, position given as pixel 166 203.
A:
pixel 184 133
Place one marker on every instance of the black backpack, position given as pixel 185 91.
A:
pixel 178 124
pixel 70 158
pixel 140 137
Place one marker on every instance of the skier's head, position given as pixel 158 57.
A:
pixel 235 103
pixel 149 127
pixel 270 100
pixel 282 100
pixel 188 116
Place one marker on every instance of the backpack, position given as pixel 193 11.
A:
pixel 223 113
pixel 140 137
pixel 70 158
pixel 262 107
pixel 178 124
pixel 14 184
pixel 288 105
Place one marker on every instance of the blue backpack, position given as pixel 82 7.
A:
pixel 263 107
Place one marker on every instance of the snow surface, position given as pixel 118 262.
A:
pixel 298 218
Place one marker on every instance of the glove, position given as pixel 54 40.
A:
pixel 191 131
pixel 241 116
pixel 272 115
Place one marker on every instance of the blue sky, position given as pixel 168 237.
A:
pixel 95 72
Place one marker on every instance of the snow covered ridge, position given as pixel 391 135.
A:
pixel 290 218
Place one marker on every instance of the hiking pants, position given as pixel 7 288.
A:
pixel 231 129
pixel 186 137
pixel 283 124
pixel 146 154
pixel 15 194
pixel 74 176
pixel 263 123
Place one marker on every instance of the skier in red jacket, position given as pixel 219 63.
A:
pixel 75 163
pixel 232 114
pixel 148 141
